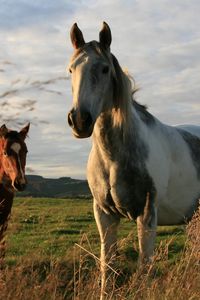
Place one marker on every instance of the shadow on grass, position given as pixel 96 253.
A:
pixel 175 231
pixel 65 231
pixel 80 219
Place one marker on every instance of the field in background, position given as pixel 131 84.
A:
pixel 51 249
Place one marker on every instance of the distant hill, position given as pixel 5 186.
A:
pixel 63 187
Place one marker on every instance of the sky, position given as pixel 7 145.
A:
pixel 158 41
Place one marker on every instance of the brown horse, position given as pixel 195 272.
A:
pixel 13 153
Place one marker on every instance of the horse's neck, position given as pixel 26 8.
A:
pixel 115 141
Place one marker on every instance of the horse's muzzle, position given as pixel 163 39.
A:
pixel 20 185
pixel 81 123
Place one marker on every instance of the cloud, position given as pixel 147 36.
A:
pixel 158 41
pixel 34 13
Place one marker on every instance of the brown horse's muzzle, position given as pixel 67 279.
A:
pixel 81 123
pixel 20 184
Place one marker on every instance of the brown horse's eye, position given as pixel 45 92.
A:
pixel 105 70
pixel 5 153
pixel 70 70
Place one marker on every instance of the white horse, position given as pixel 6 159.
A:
pixel 138 167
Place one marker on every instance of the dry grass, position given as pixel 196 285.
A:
pixel 79 279
pixel 179 281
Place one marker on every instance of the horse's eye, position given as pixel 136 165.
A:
pixel 105 69
pixel 70 70
pixel 5 153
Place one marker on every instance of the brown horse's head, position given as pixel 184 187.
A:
pixel 13 153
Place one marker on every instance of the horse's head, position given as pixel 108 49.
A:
pixel 13 153
pixel 92 71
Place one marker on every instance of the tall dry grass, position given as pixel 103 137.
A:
pixel 160 280
pixel 79 279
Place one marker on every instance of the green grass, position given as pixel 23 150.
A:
pixel 42 227
pixel 47 227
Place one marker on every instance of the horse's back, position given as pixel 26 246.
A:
pixel 192 129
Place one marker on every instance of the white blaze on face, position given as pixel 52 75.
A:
pixel 16 148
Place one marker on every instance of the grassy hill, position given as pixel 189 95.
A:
pixel 63 187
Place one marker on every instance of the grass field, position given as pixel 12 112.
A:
pixel 51 244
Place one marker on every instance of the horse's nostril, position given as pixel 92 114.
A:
pixel 70 120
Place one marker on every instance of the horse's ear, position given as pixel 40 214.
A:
pixel 77 38
pixel 24 131
pixel 105 37
pixel 3 130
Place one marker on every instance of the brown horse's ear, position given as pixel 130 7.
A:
pixel 105 37
pixel 3 130
pixel 24 131
pixel 77 38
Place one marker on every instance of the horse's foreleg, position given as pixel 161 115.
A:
pixel 146 227
pixel 107 225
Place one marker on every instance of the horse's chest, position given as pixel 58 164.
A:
pixel 121 189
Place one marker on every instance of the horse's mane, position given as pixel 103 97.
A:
pixel 124 98
pixel 143 113
pixel 122 94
